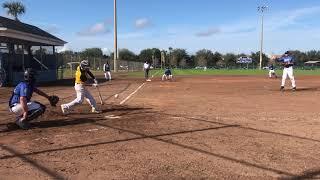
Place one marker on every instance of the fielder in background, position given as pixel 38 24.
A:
pixel 287 61
pixel 106 70
pixel 20 102
pixel 146 68
pixel 272 72
pixel 167 74
pixel 83 70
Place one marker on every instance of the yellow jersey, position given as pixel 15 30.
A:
pixel 81 75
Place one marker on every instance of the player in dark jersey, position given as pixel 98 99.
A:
pixel 167 74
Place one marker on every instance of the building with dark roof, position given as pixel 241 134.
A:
pixel 22 46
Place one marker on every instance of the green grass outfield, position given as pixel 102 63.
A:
pixel 190 72
pixel 195 72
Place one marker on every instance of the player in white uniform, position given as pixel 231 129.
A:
pixel 146 68
pixel 287 61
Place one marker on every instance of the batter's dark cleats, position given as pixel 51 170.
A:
pixel 294 89
pixel 282 88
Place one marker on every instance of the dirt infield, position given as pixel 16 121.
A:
pixel 208 127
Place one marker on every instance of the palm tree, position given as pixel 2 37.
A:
pixel 14 8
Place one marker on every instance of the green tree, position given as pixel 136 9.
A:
pixel 191 61
pixel 157 56
pixel 215 59
pixel 14 8
pixel 256 59
pixel 91 52
pixel 146 55
pixel 204 57
pixel 178 57
pixel 127 55
pixel 300 57
pixel 313 55
pixel 230 60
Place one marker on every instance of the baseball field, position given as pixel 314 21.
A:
pixel 198 126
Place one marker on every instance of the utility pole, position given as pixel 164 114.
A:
pixel 261 9
pixel 115 54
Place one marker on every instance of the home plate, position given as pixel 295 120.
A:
pixel 112 117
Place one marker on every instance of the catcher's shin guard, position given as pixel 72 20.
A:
pixel 34 114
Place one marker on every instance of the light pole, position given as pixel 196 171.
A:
pixel 170 58
pixel 115 54
pixel 261 9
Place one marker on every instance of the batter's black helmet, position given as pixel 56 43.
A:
pixel 287 52
pixel 84 64
pixel 29 75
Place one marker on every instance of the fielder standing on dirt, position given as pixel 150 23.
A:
pixel 287 61
pixel 20 102
pixel 146 68
pixel 81 77
pixel 106 70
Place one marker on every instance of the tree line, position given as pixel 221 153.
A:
pixel 177 57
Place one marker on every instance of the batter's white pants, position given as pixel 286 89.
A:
pixel 107 75
pixel 82 93
pixel 18 110
pixel 167 77
pixel 270 73
pixel 288 72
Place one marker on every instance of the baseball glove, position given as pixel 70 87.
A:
pixel 53 100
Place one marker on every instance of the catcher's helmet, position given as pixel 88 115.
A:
pixel 29 75
pixel 287 52
pixel 84 64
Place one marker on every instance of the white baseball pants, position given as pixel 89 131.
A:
pixel 167 77
pixel 270 73
pixel 18 110
pixel 107 75
pixel 288 72
pixel 82 93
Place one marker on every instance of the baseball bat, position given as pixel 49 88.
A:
pixel 100 97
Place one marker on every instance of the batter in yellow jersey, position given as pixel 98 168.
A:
pixel 81 75
pixel 80 78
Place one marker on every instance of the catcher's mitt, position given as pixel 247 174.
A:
pixel 53 100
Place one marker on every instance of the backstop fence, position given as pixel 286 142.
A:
pixel 67 64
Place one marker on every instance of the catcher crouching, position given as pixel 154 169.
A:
pixel 20 102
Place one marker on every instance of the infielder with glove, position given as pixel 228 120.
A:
pixel 272 72
pixel 81 77
pixel 287 61
pixel 20 102
pixel 167 74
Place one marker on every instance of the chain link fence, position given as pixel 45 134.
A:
pixel 67 65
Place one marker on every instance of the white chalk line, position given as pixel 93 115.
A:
pixel 130 95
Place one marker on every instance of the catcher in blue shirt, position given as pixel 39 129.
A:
pixel 20 102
